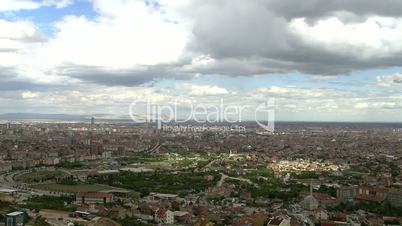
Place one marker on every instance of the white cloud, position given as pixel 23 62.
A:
pixel 29 95
pixel 373 105
pixel 201 90
pixel 16 5
pixel 362 105
pixel 290 102
pixel 57 3
pixel 295 92
pixel 374 37
pixel 134 37
pixel 127 34
pixel 323 77
pixel 389 80
pixel 17 35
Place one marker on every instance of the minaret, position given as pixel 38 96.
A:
pixel 311 187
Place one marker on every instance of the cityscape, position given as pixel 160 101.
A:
pixel 200 112
pixel 120 173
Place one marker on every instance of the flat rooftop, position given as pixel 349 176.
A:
pixel 15 213
pixel 5 190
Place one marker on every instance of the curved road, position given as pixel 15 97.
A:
pixel 224 176
pixel 7 182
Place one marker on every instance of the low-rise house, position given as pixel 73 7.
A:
pixel 279 221
pixel 371 194
pixel 164 216
pixel 321 214
pixel 182 217
pixel 346 193
pixel 51 161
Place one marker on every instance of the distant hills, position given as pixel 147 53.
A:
pixel 68 117
pixel 38 116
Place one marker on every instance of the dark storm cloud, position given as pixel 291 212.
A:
pixel 398 81
pixel 321 8
pixel 314 59
pixel 237 28
pixel 7 73
pixel 9 85
pixel 9 81
pixel 122 77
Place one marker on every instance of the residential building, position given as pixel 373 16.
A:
pixel 279 221
pixel 15 219
pixel 346 193
pixel 164 216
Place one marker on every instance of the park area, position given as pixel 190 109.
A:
pixel 81 187
pixel 39 176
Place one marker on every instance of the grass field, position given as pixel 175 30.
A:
pixel 74 188
pixel 40 176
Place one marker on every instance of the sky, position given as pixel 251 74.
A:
pixel 320 60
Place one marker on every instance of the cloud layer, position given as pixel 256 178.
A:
pixel 151 40
pixel 128 46
pixel 133 42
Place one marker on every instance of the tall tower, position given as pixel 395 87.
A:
pixel 92 121
pixel 91 143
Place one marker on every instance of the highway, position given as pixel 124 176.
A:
pixel 153 149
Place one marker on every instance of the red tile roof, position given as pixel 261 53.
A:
pixel 370 198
